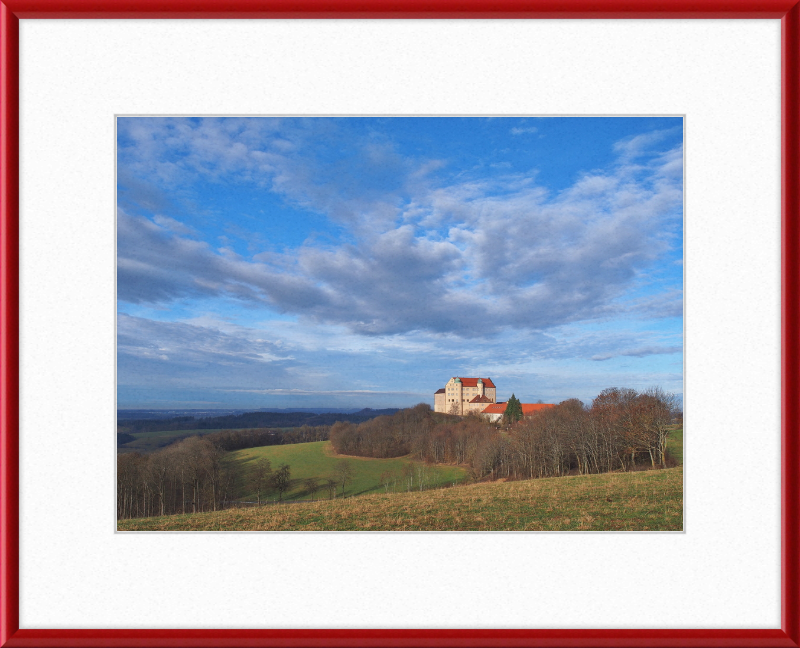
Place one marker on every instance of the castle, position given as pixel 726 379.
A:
pixel 464 395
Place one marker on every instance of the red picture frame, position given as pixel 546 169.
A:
pixel 788 11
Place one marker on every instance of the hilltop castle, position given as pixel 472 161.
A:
pixel 464 395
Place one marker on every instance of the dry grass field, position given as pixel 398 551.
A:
pixel 638 501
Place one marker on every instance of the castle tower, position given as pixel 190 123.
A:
pixel 464 395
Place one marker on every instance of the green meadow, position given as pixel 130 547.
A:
pixel 316 459
pixel 675 443
pixel 649 500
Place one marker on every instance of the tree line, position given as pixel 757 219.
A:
pixel 186 477
pixel 244 420
pixel 230 440
pixel 249 438
pixel 189 475
pixel 622 429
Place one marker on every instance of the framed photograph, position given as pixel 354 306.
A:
pixel 377 255
pixel 252 239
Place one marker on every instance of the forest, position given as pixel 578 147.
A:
pixel 621 430
pixel 190 475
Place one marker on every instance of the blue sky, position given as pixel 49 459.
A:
pixel 349 262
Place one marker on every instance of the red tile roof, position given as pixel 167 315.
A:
pixel 473 382
pixel 527 408
pixel 439 391
pixel 481 399
pixel 530 408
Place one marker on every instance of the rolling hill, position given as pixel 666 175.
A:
pixel 637 501
pixel 317 460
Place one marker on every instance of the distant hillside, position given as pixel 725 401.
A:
pixel 244 420
pixel 142 414
pixel 372 413
pixel 636 501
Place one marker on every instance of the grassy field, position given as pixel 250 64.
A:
pixel 317 460
pixel 638 501
pixel 675 443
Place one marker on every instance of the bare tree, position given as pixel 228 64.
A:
pixel 195 455
pixel 331 483
pixel 312 486
pixel 215 471
pixel 423 473
pixel 129 470
pixel 408 475
pixel 660 408
pixel 344 473
pixel 158 470
pixel 387 476
pixel 260 477
pixel 282 479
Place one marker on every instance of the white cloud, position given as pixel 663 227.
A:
pixel 632 147
pixel 174 226
pixel 470 257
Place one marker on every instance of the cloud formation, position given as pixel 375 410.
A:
pixel 347 259
pixel 639 353
pixel 145 339
pixel 469 257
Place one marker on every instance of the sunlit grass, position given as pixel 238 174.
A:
pixel 640 501
pixel 316 459
pixel 675 443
